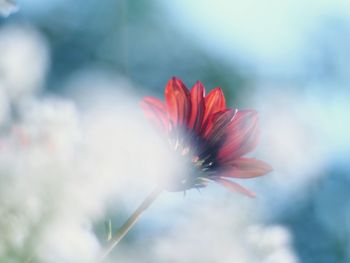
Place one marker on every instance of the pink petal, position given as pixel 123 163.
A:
pixel 178 102
pixel 247 168
pixel 232 186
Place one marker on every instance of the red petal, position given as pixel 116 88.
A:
pixel 155 110
pixel 214 102
pixel 178 102
pixel 247 168
pixel 232 186
pixel 242 136
pixel 217 126
pixel 197 109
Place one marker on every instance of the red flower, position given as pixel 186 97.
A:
pixel 210 136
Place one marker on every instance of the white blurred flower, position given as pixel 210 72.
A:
pixel 216 233
pixel 23 60
pixel 293 142
pixel 60 168
pixel 68 242
pixel 273 243
pixel 32 175
pixel 53 122
pixel 217 229
pixel 4 106
pixel 290 138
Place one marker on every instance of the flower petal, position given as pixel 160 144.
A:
pixel 178 102
pixel 247 168
pixel 217 126
pixel 232 186
pixel 242 136
pixel 197 106
pixel 214 102
pixel 155 110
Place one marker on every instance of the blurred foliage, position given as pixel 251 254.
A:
pixel 137 40
pixel 320 224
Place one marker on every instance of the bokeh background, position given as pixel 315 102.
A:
pixel 77 157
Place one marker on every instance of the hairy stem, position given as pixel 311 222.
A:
pixel 130 222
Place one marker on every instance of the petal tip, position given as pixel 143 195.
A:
pixel 232 186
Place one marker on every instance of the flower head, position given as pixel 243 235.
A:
pixel 213 139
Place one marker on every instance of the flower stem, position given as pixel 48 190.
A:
pixel 130 222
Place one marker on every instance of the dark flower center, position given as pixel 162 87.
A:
pixel 199 157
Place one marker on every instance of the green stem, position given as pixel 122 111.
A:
pixel 130 222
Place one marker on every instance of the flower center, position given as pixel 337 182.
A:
pixel 198 157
